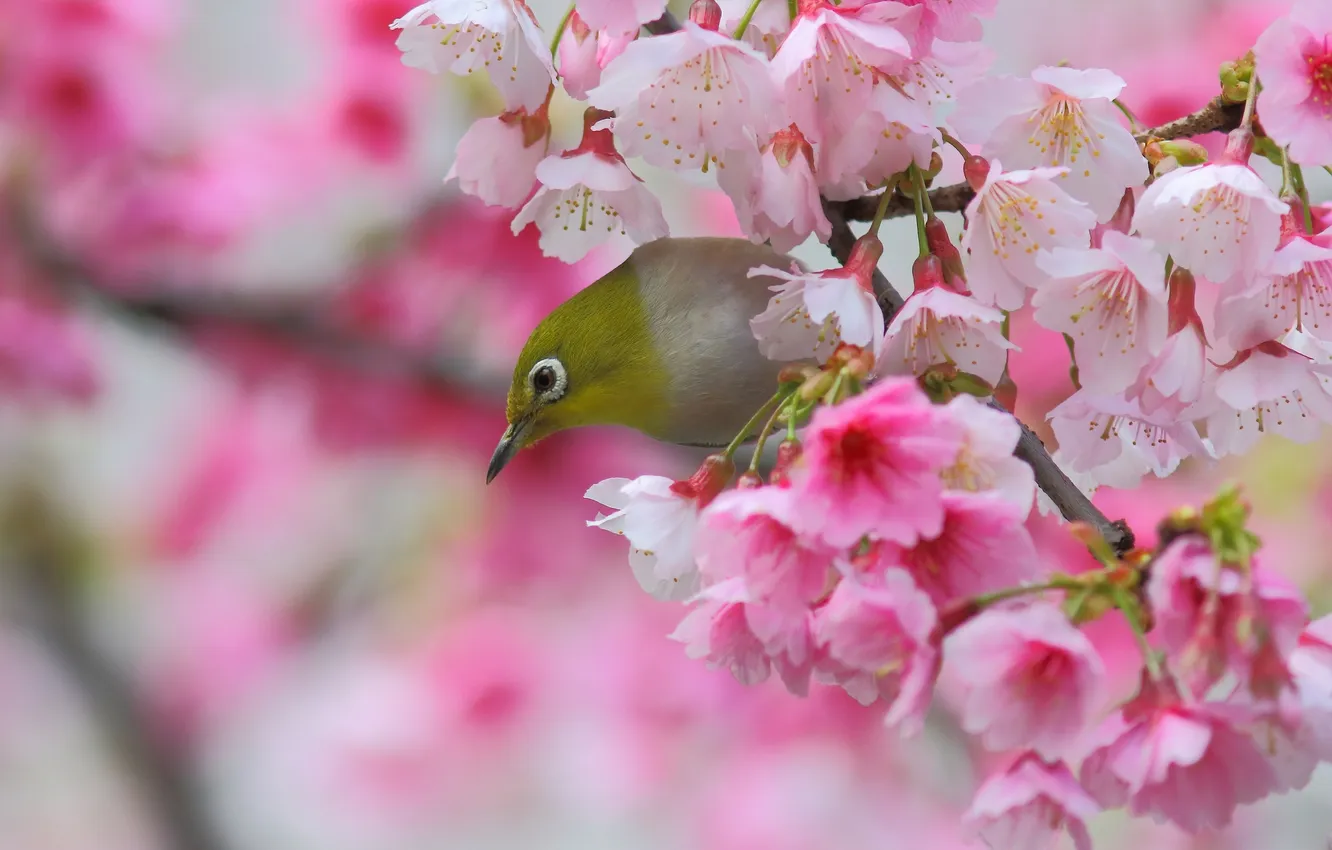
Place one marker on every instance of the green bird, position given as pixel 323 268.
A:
pixel 661 344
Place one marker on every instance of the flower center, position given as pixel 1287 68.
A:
pixel 1320 78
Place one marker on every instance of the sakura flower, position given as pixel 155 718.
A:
pixel 986 463
pixel 828 67
pixel 871 466
pixel 767 28
pixel 953 20
pixel 1111 437
pixel 587 196
pixel 1219 220
pixel 1030 678
pixel 811 313
pixel 1014 216
pixel 719 632
pixel 1059 118
pixel 885 139
pixel 659 523
pixel 1185 763
pixel 1294 62
pixel 885 631
pixel 690 98
pixel 1311 666
pixel 1269 388
pixel 497 157
pixel 1213 620
pixel 939 76
pixel 747 534
pixel 1028 805
pixel 1293 289
pixel 775 193
pixel 620 17
pixel 584 53
pixel 1112 302
pixel 1172 381
pixel 499 37
pixel 938 326
pixel 784 636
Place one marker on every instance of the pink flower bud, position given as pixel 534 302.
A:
pixel 706 13
pixel 976 170
pixel 710 479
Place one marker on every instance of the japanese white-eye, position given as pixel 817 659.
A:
pixel 661 344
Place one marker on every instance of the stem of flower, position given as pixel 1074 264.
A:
pixel 920 211
pixel 791 419
pixel 985 600
pixel 1129 608
pixel 749 15
pixel 774 402
pixel 889 189
pixel 1287 185
pixel 1128 113
pixel 793 7
pixel 1246 120
pixel 1072 363
pixel 763 437
pixel 921 189
pixel 956 145
pixel 1297 179
pixel 560 28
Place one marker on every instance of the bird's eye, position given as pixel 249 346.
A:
pixel 548 380
pixel 543 379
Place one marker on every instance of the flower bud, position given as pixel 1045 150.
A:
pixel 706 13
pixel 749 481
pixel 788 453
pixel 708 481
pixel 976 170
pixel 927 273
pixel 1184 151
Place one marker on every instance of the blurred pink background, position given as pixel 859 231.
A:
pixel 253 590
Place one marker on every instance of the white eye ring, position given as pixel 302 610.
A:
pixel 555 385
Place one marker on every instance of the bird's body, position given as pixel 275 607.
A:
pixel 662 344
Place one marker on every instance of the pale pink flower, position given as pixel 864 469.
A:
pixel 775 193
pixel 1185 763
pixel 1113 440
pixel 939 76
pixel 938 326
pixel 885 630
pixel 1212 620
pixel 588 196
pixel 768 27
pixel 785 635
pixel 983 545
pixel 1293 289
pixel 1269 388
pixel 584 53
pixel 1219 220
pixel 954 20
pixel 659 521
pixel 620 16
pixel 1059 118
pixel 813 312
pixel 719 632
pixel 830 63
pixel 497 157
pixel 1311 665
pixel 1112 302
pixel 1014 216
pixel 1173 380
pixel 689 99
pixel 1294 63
pixel 44 354
pixel 986 463
pixel 1030 678
pixel 498 37
pixel 747 534
pixel 885 139
pixel 871 466
pixel 1029 805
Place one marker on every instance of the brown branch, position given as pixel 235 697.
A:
pixel 1216 115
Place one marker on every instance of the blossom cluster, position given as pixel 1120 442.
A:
pixel 889 545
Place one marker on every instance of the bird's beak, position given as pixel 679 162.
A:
pixel 508 446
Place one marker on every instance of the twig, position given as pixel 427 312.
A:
pixel 1216 115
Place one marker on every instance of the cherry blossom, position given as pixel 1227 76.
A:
pixel 871 466
pixel 885 139
pixel 1219 220
pixel 497 157
pixel 938 326
pixel 1014 216
pixel 1112 302
pixel 659 523
pixel 1030 678
pixel 1029 804
pixel 688 99
pixel 1311 666
pixel 812 313
pixel 1268 388
pixel 775 193
pixel 499 37
pixel 619 17
pixel 768 27
pixel 587 196
pixel 719 632
pixel 1294 63
pixel 986 463
pixel 1293 289
pixel 1111 437
pixel 1172 382
pixel 1058 118
pixel 953 20
pixel 584 53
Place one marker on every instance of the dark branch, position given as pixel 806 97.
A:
pixel 1216 115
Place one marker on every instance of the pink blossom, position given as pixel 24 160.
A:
pixel 775 193
pixel 1219 220
pixel 871 466
pixel 1029 804
pixel 885 139
pixel 588 195
pixel 585 53
pixel 1014 216
pixel 812 312
pixel 1311 666
pixel 497 158
pixel 1293 289
pixel 938 326
pixel 1185 763
pixel 689 99
pixel 1059 118
pixel 937 77
pixel 1269 388
pixel 43 353
pixel 1294 63
pixel 1173 380
pixel 953 20
pixel 499 37
pixel 885 632
pixel 1030 678
pixel 620 16
pixel 719 632
pixel 1111 438
pixel 747 534
pixel 1112 302
pixel 659 522
pixel 986 463
pixel 1214 621
pixel 827 65
pixel 766 30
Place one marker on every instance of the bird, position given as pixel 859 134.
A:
pixel 661 344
